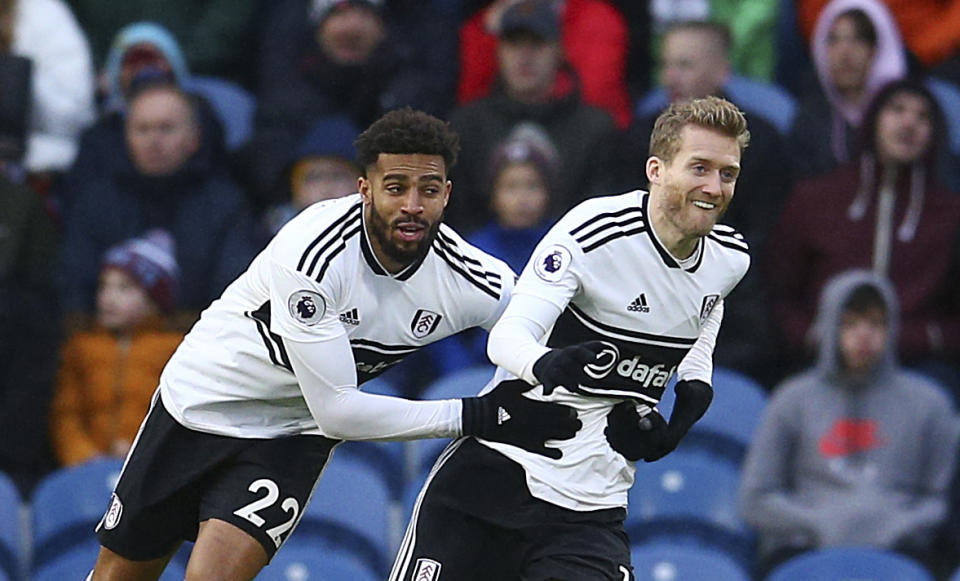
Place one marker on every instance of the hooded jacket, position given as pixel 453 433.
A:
pixel 824 117
pixel 845 461
pixel 903 223
pixel 134 34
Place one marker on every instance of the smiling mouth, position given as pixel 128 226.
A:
pixel 704 205
pixel 411 231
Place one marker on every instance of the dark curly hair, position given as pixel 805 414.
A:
pixel 407 131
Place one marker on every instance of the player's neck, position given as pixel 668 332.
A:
pixel 673 240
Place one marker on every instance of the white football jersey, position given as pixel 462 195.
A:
pixel 604 268
pixel 317 278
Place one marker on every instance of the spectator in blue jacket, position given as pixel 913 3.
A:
pixel 166 177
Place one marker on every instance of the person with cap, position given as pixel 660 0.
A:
pixel 596 39
pixel 108 374
pixel 357 58
pixel 535 85
pixel 324 167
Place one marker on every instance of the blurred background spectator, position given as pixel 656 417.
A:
pixel 535 86
pixel 359 58
pixel 324 167
pixel 59 80
pixel 594 39
pixel 108 374
pixel 853 434
pixel 217 35
pixel 167 176
pixel 29 332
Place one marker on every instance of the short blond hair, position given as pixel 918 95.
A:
pixel 709 112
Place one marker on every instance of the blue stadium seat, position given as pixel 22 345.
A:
pixel 956 575
pixel 689 497
pixel 11 529
pixel 387 458
pixel 463 383
pixel 233 105
pixel 300 561
pixel 67 505
pixel 670 562
pixel 733 416
pixel 74 565
pixel 351 505
pixel 846 563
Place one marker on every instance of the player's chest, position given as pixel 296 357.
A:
pixel 412 312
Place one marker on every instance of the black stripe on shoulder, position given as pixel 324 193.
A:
pixel 273 342
pixel 335 251
pixel 605 215
pixel 730 243
pixel 384 346
pixel 632 221
pixel 620 233
pixel 490 277
pixel 339 222
pixel 460 269
pixel 453 248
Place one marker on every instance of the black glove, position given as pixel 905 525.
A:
pixel 565 366
pixel 505 415
pixel 651 438
pixel 637 438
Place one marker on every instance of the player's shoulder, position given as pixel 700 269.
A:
pixel 596 221
pixel 318 234
pixel 729 242
pixel 464 260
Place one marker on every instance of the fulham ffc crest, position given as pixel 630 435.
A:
pixel 424 323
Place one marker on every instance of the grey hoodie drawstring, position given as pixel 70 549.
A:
pixel 908 228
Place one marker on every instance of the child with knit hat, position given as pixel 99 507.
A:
pixel 108 374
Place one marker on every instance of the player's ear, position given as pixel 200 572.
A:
pixel 364 187
pixel 654 169
pixel 447 187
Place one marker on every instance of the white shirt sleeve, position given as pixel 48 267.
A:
pixel 546 286
pixel 698 362
pixel 328 380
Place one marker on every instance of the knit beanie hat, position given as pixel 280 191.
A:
pixel 320 9
pixel 151 262
pixel 527 143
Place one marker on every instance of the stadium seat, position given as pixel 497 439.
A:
pixel 11 529
pixel 670 562
pixel 233 105
pixel 734 414
pixel 689 497
pixel 387 458
pixel 846 563
pixel 956 575
pixel 67 505
pixel 463 383
pixel 74 565
pixel 351 506
pixel 299 561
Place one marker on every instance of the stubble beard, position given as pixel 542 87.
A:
pixel 380 229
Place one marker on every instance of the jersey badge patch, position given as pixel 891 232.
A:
pixel 427 570
pixel 552 262
pixel 307 307
pixel 112 517
pixel 424 322
pixel 706 308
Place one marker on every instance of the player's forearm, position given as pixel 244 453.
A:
pixel 698 362
pixel 342 411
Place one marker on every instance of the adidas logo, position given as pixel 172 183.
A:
pixel 503 416
pixel 639 304
pixel 351 317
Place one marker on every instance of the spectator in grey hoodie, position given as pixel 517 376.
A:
pixel 856 451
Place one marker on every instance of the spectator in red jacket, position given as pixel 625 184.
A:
pixel 594 38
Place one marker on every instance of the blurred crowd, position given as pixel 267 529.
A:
pixel 149 150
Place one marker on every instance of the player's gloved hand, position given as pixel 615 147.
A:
pixel 505 415
pixel 564 366
pixel 623 427
pixel 634 437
